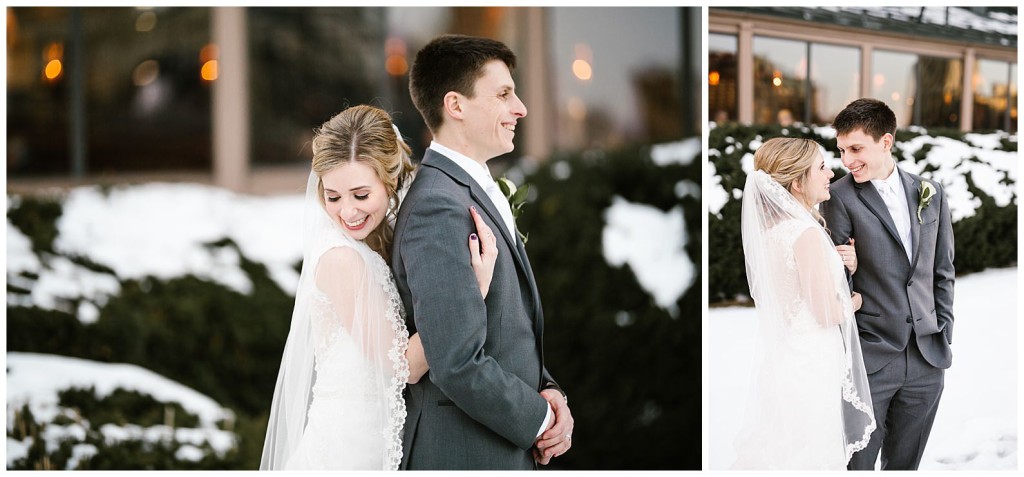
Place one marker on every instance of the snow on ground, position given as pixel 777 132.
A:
pixel 35 379
pixel 976 425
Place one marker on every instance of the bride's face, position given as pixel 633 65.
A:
pixel 816 183
pixel 355 198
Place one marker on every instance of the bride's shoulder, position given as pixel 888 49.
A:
pixel 341 257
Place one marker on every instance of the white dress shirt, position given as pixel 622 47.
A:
pixel 482 176
pixel 891 190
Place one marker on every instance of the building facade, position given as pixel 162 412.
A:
pixel 934 66
pixel 231 95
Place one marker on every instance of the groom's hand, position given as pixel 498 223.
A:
pixel 558 439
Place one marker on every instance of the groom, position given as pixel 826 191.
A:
pixel 905 276
pixel 487 402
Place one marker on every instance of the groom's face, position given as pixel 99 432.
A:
pixel 490 116
pixel 866 158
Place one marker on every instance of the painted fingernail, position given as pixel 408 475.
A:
pixel 472 237
pixel 473 208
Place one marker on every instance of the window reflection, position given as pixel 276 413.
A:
pixel 893 82
pixel 835 80
pixel 992 94
pixel 722 104
pixel 616 74
pixel 939 92
pixel 780 80
pixel 1012 126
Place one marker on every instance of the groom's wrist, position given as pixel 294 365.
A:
pixel 552 385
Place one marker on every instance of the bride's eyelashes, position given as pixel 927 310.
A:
pixel 357 196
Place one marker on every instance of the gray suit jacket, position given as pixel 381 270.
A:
pixel 902 298
pixel 478 407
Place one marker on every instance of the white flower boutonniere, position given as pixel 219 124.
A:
pixel 927 192
pixel 516 197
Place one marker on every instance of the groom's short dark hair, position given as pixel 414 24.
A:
pixel 451 63
pixel 871 115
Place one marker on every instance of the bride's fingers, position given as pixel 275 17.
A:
pixel 474 249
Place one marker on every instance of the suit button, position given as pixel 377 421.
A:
pixel 910 319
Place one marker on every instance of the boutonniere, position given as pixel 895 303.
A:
pixel 927 192
pixel 516 197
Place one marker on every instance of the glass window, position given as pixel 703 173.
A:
pixel 992 93
pixel 893 81
pixel 722 76
pixel 835 80
pixel 940 88
pixel 307 64
pixel 617 75
pixel 780 80
pixel 1012 126
pixel 145 105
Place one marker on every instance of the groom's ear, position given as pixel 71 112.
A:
pixel 452 105
pixel 887 141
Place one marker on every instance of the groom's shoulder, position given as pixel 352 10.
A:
pixel 842 184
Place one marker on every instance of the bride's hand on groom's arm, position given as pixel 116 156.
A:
pixel 417 359
pixel 558 438
pixel 857 301
pixel 483 252
pixel 849 255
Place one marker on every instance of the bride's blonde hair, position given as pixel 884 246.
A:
pixel 789 161
pixel 366 135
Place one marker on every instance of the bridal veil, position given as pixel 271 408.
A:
pixel 362 306
pixel 810 405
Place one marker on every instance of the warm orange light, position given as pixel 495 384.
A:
pixel 713 78
pixel 777 81
pixel 54 51
pixel 396 65
pixel 53 69
pixel 582 70
pixel 209 52
pixel 209 70
pixel 895 96
pixel 947 98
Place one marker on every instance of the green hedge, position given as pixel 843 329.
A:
pixel 987 239
pixel 634 390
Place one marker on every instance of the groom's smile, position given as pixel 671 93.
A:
pixel 864 157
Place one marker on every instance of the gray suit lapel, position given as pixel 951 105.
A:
pixel 869 196
pixel 534 292
pixel 438 161
pixel 910 187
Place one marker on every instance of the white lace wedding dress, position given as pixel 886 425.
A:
pixel 809 405
pixel 338 402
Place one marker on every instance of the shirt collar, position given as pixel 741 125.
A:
pixel 892 182
pixel 477 171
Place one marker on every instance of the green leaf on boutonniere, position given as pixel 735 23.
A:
pixel 516 197
pixel 927 191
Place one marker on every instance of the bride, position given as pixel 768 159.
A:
pixel 338 402
pixel 809 407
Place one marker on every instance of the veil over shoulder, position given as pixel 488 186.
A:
pixel 810 405
pixel 339 390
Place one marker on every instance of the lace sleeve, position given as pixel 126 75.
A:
pixel 818 287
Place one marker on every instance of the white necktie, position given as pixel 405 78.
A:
pixel 501 203
pixel 900 216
